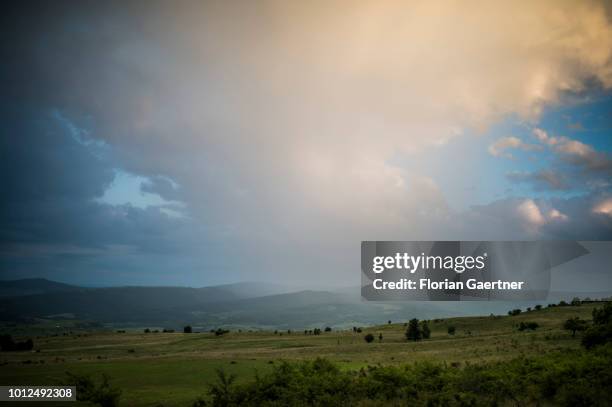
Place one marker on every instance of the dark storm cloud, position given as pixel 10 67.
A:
pixel 52 183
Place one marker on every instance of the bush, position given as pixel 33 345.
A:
pixel 514 312
pixel 550 379
pixel 601 331
pixel 368 338
pixel 528 326
pixel 187 329
pixel 328 329
pixel 451 330
pixel 101 394
pixel 425 332
pixel 221 332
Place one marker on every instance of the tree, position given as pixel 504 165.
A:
pixel 574 324
pixel 413 333
pixel 368 338
pixel 451 330
pixel 317 331
pixel 514 312
pixel 380 337
pixel 425 332
pixel 187 329
pixel 576 301
pixel 328 329
pixel 538 307
pixel 389 322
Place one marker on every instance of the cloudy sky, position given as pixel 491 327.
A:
pixel 202 143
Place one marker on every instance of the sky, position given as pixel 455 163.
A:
pixel 200 143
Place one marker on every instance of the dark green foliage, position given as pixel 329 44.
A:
pixel 328 329
pixel 7 344
pixel 576 301
pixel 368 338
pixel 538 307
pixel 451 330
pixel 187 329
pixel 317 331
pixel 101 394
pixel 425 332
pixel 528 326
pixel 601 331
pixel 553 379
pixel 221 391
pixel 603 315
pixel 413 333
pixel 575 324
pixel 221 332
pixel 380 337
pixel 514 312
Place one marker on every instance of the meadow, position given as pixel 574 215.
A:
pixel 174 369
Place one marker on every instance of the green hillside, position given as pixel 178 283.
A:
pixel 175 368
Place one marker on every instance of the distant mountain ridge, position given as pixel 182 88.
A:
pixel 245 305
pixel 31 286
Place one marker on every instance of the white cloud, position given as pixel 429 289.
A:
pixel 498 148
pixel 531 215
pixel 556 215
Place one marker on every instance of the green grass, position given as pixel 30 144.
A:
pixel 175 368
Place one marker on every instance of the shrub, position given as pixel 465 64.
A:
pixel 528 326
pixel 221 332
pixel 451 330
pixel 514 312
pixel 101 393
pixel 328 329
pixel 368 338
pixel 187 329
pixel 425 332
pixel 601 331
pixel 550 379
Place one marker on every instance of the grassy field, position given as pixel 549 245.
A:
pixel 174 368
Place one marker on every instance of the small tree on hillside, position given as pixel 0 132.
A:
pixel 451 330
pixel 575 324
pixel 368 338
pixel 187 329
pixel 413 333
pixel 425 332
